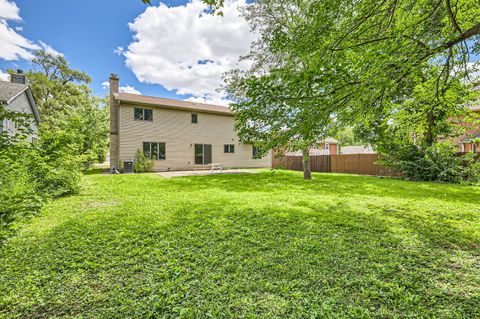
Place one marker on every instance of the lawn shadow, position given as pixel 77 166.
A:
pixel 338 184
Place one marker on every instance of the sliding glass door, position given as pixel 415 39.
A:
pixel 203 154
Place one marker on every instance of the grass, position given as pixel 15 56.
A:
pixel 266 245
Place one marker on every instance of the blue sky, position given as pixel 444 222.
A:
pixel 175 50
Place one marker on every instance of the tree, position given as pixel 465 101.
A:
pixel 346 137
pixel 65 103
pixel 268 122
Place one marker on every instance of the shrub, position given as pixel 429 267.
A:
pixel 29 173
pixel 471 172
pixel 142 164
pixel 55 168
pixel 18 194
pixel 439 162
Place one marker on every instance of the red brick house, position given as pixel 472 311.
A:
pixel 470 140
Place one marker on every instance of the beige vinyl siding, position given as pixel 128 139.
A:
pixel 174 127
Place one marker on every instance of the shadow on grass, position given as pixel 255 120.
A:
pixel 338 184
pixel 231 261
pixel 266 245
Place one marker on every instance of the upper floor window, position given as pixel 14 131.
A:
pixel 194 118
pixel 229 148
pixel 256 152
pixel 143 114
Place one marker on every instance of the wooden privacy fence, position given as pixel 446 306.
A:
pixel 363 164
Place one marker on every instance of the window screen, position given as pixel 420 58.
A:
pixel 154 150
pixel 140 114
pixel 229 148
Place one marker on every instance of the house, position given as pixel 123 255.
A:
pixel 357 149
pixel 16 96
pixel 174 134
pixel 328 146
pixel 470 140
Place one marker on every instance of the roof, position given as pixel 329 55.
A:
pixel 9 90
pixel 171 103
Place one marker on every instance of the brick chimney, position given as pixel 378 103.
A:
pixel 114 141
pixel 18 77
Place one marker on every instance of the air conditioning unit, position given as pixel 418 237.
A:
pixel 128 167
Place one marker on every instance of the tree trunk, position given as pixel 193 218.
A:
pixel 429 139
pixel 307 171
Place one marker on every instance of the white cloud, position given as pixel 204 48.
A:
pixel 9 10
pixel 187 50
pixel 118 51
pixel 4 76
pixel 47 48
pixel 13 46
pixel 123 89
pixel 209 100
pixel 128 89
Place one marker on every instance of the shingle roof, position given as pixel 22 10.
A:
pixel 8 90
pixel 170 103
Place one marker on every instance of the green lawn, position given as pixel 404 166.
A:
pixel 266 245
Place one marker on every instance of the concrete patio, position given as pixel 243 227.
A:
pixel 171 174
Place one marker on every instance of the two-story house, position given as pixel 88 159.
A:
pixel 16 96
pixel 176 135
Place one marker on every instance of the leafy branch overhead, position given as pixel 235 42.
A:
pixel 352 64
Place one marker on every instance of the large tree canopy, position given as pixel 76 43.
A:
pixel 351 63
pixel 369 64
pixel 66 104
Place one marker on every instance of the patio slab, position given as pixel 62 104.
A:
pixel 207 172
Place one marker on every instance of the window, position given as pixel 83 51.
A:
pixel 474 147
pixel 229 148
pixel 256 152
pixel 194 118
pixel 327 149
pixel 143 114
pixel 154 150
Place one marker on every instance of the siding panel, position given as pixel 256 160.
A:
pixel 174 127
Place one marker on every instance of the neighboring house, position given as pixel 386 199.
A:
pixel 357 149
pixel 176 135
pixel 329 146
pixel 470 141
pixel 16 95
